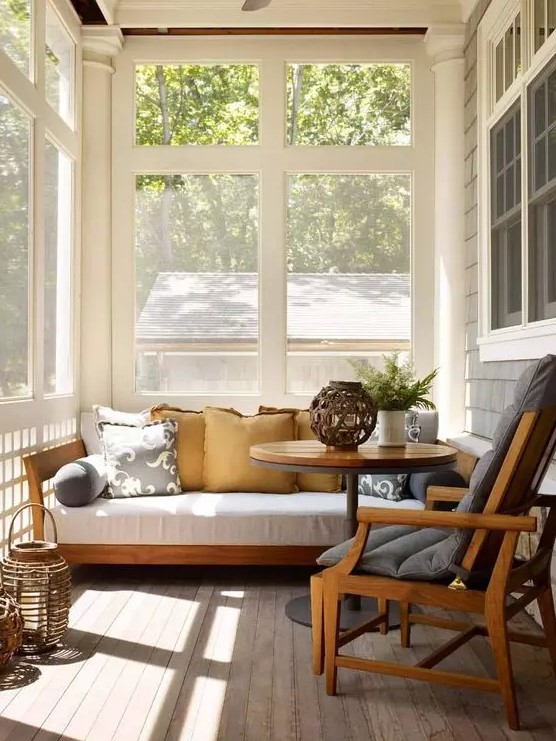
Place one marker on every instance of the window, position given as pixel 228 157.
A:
pixel 15 32
pixel 508 57
pixel 506 220
pixel 37 155
pixel 197 283
pixel 59 66
pixel 349 104
pixel 276 204
pixel 58 204
pixel 197 104
pixel 15 220
pixel 518 125
pixel 542 196
pixel 348 255
pixel 544 20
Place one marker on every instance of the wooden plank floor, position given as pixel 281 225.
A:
pixel 168 653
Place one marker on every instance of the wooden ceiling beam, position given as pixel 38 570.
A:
pixel 287 31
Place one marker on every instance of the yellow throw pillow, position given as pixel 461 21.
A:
pixel 191 443
pixel 309 481
pixel 228 437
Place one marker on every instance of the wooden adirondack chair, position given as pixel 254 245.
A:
pixel 488 575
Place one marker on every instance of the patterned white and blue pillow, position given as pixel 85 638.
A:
pixel 391 486
pixel 140 461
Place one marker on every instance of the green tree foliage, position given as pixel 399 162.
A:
pixel 195 223
pixel 349 104
pixel 15 132
pixel 197 104
pixel 15 31
pixel 348 223
pixel 336 223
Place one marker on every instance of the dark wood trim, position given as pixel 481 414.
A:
pixel 201 555
pixel 279 31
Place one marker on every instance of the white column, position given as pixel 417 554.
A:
pixel 100 44
pixel 444 45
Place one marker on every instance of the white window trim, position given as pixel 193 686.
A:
pixel 528 340
pixel 270 54
pixel 28 93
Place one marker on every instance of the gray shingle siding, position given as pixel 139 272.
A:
pixel 489 386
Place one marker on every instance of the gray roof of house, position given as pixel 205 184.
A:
pixel 205 307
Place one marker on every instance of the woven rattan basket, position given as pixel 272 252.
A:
pixel 38 579
pixel 11 627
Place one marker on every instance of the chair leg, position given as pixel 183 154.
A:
pixel 546 608
pixel 498 636
pixel 383 607
pixel 405 625
pixel 331 627
pixel 317 623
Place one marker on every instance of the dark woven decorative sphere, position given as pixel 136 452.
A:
pixel 342 415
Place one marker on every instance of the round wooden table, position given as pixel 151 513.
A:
pixel 310 456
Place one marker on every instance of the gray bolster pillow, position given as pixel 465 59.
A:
pixel 79 482
pixel 419 482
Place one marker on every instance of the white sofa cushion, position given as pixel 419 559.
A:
pixel 202 518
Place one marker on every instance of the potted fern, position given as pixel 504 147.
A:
pixel 394 390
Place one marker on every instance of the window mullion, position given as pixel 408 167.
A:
pixel 272 255
pixel 525 123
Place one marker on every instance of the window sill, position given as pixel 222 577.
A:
pixel 518 343
pixel 469 443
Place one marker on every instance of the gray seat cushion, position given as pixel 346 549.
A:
pixel 430 554
pixel 420 482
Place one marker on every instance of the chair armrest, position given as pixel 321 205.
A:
pixel 431 518
pixel 444 494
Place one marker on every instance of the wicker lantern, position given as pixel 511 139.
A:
pixel 11 628
pixel 342 415
pixel 38 578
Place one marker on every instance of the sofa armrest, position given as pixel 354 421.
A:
pixel 444 494
pixel 41 467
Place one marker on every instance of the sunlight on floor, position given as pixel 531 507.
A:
pixel 220 644
pixel 236 593
pixel 202 721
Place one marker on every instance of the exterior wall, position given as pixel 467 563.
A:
pixel 489 386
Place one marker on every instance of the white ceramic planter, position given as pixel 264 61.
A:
pixel 391 429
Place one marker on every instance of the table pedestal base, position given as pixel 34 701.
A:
pixel 299 611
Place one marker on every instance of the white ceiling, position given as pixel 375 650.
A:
pixel 284 13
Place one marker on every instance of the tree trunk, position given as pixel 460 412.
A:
pixel 166 200
pixel 296 97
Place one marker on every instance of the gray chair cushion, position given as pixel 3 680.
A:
pixel 430 554
pixel 397 551
pixel 420 482
pixel 78 483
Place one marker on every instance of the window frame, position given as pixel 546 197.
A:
pixel 271 54
pixel 528 339
pixel 28 92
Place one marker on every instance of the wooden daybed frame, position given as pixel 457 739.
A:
pixel 40 468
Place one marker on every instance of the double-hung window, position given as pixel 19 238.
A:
pixel 269 224
pixel 517 178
